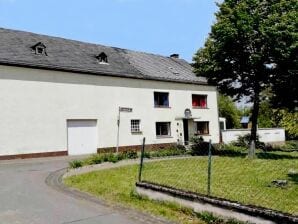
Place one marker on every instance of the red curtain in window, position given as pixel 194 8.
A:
pixel 203 102
pixel 195 101
pixel 199 101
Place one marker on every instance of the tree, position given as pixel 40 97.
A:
pixel 265 118
pixel 286 119
pixel 228 110
pixel 253 47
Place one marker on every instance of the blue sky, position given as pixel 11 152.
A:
pixel 157 26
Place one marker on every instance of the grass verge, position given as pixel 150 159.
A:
pixel 235 178
pixel 117 186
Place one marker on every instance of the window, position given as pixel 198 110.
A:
pixel 161 99
pixel 199 101
pixel 135 126
pixel 39 48
pixel 163 129
pixel 202 128
pixel 102 58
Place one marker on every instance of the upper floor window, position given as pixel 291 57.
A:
pixel 161 99
pixel 39 48
pixel 135 126
pixel 163 129
pixel 199 101
pixel 102 58
pixel 202 127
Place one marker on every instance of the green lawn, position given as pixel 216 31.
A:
pixel 239 179
pixel 117 186
pixel 234 178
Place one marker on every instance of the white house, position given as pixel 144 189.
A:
pixel 62 97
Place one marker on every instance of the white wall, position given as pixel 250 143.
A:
pixel 35 105
pixel 267 135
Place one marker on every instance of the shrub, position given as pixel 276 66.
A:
pixel 110 157
pixel 75 164
pixel 229 150
pixel 174 150
pixel 199 146
pixel 292 145
pixel 243 141
pixel 130 154
pixel 96 159
pixel 113 158
pixel 120 156
pixel 147 155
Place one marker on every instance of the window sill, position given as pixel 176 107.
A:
pixel 137 133
pixel 202 134
pixel 200 107
pixel 164 136
pixel 167 107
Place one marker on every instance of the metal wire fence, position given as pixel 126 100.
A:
pixel 269 180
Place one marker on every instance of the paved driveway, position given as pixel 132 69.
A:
pixel 25 198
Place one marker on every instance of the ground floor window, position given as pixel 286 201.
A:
pixel 163 129
pixel 202 127
pixel 135 126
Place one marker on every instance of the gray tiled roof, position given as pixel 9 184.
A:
pixel 76 56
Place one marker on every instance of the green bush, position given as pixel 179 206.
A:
pixel 130 154
pixel 287 147
pixel 120 156
pixel 96 159
pixel 293 145
pixel 243 141
pixel 174 150
pixel 147 155
pixel 75 164
pixel 113 158
pixel 199 146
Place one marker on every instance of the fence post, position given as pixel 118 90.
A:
pixel 141 162
pixel 209 169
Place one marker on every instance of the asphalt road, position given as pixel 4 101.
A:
pixel 25 198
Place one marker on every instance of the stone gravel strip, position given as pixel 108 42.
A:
pixel 109 165
pixel 55 180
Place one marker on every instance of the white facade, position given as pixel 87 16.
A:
pixel 36 106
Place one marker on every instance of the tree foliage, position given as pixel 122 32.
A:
pixel 266 115
pixel 252 47
pixel 228 110
pixel 287 120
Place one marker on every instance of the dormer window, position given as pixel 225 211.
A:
pixel 39 48
pixel 102 58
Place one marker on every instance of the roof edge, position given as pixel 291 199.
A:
pixel 89 72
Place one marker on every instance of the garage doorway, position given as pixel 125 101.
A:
pixel 81 137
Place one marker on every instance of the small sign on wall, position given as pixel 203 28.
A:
pixel 125 109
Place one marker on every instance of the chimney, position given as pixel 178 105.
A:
pixel 174 56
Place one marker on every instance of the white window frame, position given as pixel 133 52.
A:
pixel 168 126
pixel 135 126
pixel 157 93
pixel 196 127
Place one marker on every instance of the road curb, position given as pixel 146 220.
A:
pixel 55 181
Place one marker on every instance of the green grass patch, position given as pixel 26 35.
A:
pixel 117 185
pixel 234 178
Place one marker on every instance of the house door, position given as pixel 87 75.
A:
pixel 185 131
pixel 82 137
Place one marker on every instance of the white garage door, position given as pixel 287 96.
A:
pixel 82 137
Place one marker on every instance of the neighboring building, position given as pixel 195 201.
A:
pixel 62 97
pixel 245 122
